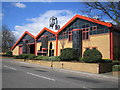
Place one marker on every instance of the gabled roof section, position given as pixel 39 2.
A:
pixel 26 32
pixel 44 30
pixel 85 18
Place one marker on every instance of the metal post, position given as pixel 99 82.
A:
pixel 51 63
pixel 62 65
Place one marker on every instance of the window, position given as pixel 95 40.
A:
pixel 52 52
pixel 83 26
pixel 94 27
pixel 87 25
pixel 52 35
pixel 64 33
pixel 87 48
pixel 70 36
pixel 94 48
pixel 88 29
pixel 83 29
pixel 85 33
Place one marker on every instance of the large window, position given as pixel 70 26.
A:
pixel 85 33
pixel 70 36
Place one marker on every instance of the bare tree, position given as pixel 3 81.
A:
pixel 109 9
pixel 63 41
pixel 8 38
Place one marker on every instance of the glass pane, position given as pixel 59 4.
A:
pixel 87 35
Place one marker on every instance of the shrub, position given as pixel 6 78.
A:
pixel 9 53
pixel 19 56
pixel 42 58
pixel 54 58
pixel 22 56
pixel 68 54
pixel 91 56
pixel 116 68
pixel 25 56
pixel 31 56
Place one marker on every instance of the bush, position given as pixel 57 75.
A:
pixel 68 54
pixel 42 58
pixel 91 56
pixel 31 56
pixel 116 68
pixel 25 56
pixel 47 58
pixel 19 56
pixel 9 53
pixel 54 58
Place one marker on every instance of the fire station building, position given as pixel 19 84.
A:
pixel 81 33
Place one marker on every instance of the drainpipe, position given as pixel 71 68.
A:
pixel 111 45
pixel 35 48
pixel 56 44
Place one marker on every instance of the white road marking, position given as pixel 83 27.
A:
pixel 10 67
pixel 23 62
pixel 41 76
pixel 87 88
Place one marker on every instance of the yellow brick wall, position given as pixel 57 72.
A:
pixel 16 50
pixel 38 46
pixel 101 41
pixel 53 43
pixel 66 43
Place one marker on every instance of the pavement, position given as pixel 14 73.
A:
pixel 18 74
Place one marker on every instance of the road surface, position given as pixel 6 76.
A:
pixel 17 74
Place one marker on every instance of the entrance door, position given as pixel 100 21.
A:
pixel 51 51
pixel 20 50
pixel 32 49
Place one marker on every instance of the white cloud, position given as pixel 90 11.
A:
pixel 18 4
pixel 38 23
pixel 1 16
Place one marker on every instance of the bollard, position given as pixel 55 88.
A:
pixel 62 65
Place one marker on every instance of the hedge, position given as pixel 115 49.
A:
pixel 25 56
pixel 31 56
pixel 47 58
pixel 9 53
pixel 42 58
pixel 54 58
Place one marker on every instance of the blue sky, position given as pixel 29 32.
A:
pixel 33 16
pixel 15 15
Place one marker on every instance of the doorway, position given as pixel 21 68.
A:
pixel 32 49
pixel 51 50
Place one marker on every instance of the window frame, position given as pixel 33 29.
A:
pixel 69 36
pixel 64 33
pixel 86 30
pixel 94 28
